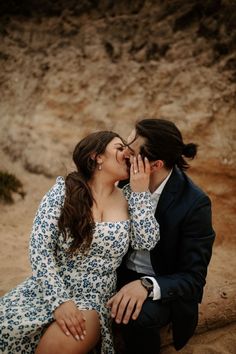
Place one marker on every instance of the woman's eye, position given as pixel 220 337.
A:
pixel 121 148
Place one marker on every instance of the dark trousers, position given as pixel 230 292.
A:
pixel 141 336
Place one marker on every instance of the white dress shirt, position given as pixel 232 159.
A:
pixel 139 261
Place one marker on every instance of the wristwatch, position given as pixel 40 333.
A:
pixel 147 284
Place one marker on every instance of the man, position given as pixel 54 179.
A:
pixel 166 284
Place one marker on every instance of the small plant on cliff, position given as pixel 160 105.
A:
pixel 9 184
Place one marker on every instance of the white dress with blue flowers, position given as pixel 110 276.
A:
pixel 87 279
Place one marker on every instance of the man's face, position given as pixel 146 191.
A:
pixel 134 144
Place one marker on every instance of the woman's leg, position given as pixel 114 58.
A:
pixel 54 341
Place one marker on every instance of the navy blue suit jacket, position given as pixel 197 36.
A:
pixel 181 257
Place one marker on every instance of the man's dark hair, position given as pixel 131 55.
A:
pixel 163 141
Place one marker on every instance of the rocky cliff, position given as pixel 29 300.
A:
pixel 71 67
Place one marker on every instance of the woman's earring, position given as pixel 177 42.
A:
pixel 99 166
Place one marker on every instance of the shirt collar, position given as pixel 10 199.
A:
pixel 160 188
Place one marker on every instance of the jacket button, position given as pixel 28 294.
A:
pixel 170 293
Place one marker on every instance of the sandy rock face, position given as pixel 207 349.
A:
pixel 103 67
pixel 73 67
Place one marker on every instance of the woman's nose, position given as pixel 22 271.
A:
pixel 127 152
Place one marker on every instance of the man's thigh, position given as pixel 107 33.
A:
pixel 153 314
pixel 142 336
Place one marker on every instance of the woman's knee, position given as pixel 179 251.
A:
pixel 54 340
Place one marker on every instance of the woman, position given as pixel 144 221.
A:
pixel 80 234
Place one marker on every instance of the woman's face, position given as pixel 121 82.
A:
pixel 114 160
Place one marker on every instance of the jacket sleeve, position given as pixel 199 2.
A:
pixel 193 255
pixel 145 231
pixel 43 246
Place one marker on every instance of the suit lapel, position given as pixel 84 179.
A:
pixel 169 193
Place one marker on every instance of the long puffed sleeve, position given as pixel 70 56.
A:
pixel 43 245
pixel 145 231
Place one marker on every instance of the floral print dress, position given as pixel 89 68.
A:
pixel 87 279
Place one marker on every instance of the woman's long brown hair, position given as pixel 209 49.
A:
pixel 76 218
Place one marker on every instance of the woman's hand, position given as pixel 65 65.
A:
pixel 71 320
pixel 139 174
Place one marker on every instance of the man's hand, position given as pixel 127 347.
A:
pixel 71 320
pixel 128 302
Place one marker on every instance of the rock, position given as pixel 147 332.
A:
pixel 69 68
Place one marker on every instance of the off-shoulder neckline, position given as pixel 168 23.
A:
pixel 60 178
pixel 112 222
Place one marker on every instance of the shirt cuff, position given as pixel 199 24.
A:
pixel 156 293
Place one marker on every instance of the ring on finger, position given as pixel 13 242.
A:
pixel 135 171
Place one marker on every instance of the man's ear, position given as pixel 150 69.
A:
pixel 156 165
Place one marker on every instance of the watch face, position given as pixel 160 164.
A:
pixel 147 284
